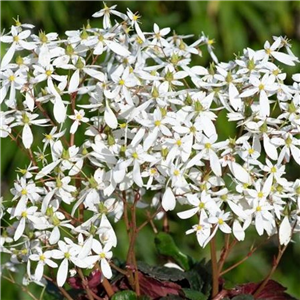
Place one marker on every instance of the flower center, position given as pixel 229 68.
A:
pixel 260 194
pixel 135 155
pixel 157 123
pixel 179 143
pixel 176 172
pixel 48 72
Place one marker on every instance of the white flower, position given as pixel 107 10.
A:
pixel 68 253
pixel 103 255
pixel 18 42
pixel 265 87
pixel 78 117
pixel 106 12
pixel 43 258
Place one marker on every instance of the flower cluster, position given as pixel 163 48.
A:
pixel 124 112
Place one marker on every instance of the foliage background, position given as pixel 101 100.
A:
pixel 234 25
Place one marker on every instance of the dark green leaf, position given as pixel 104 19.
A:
pixel 199 277
pixel 144 297
pixel 194 295
pixel 172 297
pixel 161 273
pixel 243 297
pixel 124 295
pixel 52 292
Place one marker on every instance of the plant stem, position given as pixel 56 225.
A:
pixel 227 248
pixel 131 260
pixel 275 265
pixel 214 266
pixel 252 250
pixel 62 290
pixel 85 284
pixel 150 218
pixel 110 292
pixel 224 253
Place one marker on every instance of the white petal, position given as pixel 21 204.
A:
pixel 95 74
pixel 29 101
pixel 267 186
pixel 196 160
pixel 239 172
pixel 188 213
pixel 27 136
pixel 110 118
pixel 214 163
pixel 59 110
pixel 264 104
pixel 259 224
pixel 152 136
pixel 118 175
pixel 136 174
pixel 234 98
pixel 74 82
pixel 270 149
pixel 105 268
pixel 284 58
pixel 295 153
pixel 238 231
pixel 117 48
pixel 44 56
pixel 8 55
pixel 76 168
pixel 47 169
pixel 285 231
pixel 39 271
pixel 296 77
pixel 168 200
pixel 20 229
pixel 62 272
pixel 138 137
pixel 3 92
pixel 248 92
pixel 54 236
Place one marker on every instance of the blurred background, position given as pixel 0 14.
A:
pixel 233 25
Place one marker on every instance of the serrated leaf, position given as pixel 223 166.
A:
pixel 161 273
pixel 194 295
pixel 124 295
pixel 199 277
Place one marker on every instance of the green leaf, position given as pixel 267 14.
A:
pixel 165 245
pixel 52 292
pixel 199 277
pixel 243 297
pixel 124 295
pixel 194 295
pixel 172 297
pixel 161 273
pixel 144 297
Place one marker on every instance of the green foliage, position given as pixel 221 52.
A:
pixel 124 295
pixel 243 297
pixel 165 245
pixel 194 295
